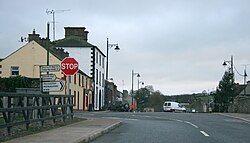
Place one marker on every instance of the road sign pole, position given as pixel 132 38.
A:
pixel 68 85
pixel 68 94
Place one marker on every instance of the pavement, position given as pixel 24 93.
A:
pixel 241 116
pixel 80 132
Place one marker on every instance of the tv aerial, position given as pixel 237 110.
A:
pixel 53 19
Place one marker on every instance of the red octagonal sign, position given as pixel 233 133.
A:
pixel 69 66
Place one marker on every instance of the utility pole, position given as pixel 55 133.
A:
pixel 48 41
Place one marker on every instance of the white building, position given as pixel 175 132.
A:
pixel 90 58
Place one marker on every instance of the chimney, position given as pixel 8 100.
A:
pixel 86 35
pixel 34 36
pixel 76 31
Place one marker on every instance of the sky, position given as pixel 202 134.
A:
pixel 177 46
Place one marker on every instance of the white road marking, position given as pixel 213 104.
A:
pixel 191 124
pixel 130 119
pixel 204 133
pixel 177 120
pixel 117 118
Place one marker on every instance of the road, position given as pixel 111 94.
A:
pixel 162 127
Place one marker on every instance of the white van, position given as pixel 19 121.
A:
pixel 170 106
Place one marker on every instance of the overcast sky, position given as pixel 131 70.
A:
pixel 177 46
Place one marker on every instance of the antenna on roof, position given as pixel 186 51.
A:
pixel 53 19
pixel 23 39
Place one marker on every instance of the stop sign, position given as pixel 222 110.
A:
pixel 69 66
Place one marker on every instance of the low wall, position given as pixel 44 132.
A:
pixel 241 105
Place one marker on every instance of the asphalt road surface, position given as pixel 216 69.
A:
pixel 164 127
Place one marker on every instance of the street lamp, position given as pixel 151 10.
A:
pixel 109 46
pixel 245 72
pixel 230 62
pixel 245 76
pixel 231 70
pixel 132 92
pixel 142 83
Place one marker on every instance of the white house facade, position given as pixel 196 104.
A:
pixel 90 58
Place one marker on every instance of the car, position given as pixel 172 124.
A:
pixel 170 106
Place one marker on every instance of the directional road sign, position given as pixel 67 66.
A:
pixel 48 77
pixel 53 86
pixel 50 68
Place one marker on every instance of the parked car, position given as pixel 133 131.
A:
pixel 170 106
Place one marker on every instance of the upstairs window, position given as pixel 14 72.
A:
pixel 102 62
pixel 14 71
pixel 97 76
pixel 74 78
pixel 96 57
pixel 79 80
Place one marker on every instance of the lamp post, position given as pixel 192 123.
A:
pixel 245 72
pixel 230 62
pixel 245 76
pixel 132 92
pixel 109 46
pixel 231 70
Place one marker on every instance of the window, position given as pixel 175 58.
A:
pixel 79 80
pixel 0 66
pixel 87 83
pixel 14 71
pixel 96 76
pixel 96 96
pixel 82 81
pixel 100 78
pixel 102 62
pixel 74 98
pixel 75 79
pixel 96 57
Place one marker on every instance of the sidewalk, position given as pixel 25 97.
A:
pixel 80 132
pixel 241 116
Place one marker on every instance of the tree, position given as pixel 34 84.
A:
pixel 225 92
pixel 141 97
pixel 156 101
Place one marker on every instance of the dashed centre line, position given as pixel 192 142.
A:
pixel 204 133
pixel 191 124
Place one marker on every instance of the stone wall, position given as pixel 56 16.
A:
pixel 241 105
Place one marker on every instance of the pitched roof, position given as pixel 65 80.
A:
pixel 72 41
pixel 52 51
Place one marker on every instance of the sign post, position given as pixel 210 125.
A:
pixel 69 66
